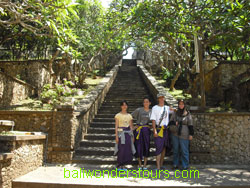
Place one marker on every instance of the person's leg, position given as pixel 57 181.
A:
pixel 145 162
pixel 159 147
pixel 146 144
pixel 175 141
pixel 162 156
pixel 125 155
pixel 184 144
pixel 139 165
pixel 158 160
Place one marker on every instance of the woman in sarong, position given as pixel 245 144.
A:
pixel 142 133
pixel 124 137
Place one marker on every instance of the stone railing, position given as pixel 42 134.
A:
pixel 19 155
pixel 66 125
pixel 154 86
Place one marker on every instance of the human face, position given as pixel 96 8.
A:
pixel 161 100
pixel 146 103
pixel 181 105
pixel 124 107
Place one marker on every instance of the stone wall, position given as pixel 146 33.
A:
pixel 13 90
pixel 21 154
pixel 21 79
pixel 67 125
pixel 221 78
pixel 220 138
pixel 33 72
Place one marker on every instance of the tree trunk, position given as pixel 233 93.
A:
pixel 51 72
pixel 202 74
pixel 105 60
pixel 173 81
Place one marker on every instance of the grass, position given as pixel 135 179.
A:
pixel 177 93
pixel 91 81
pixel 34 104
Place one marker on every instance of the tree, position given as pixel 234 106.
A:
pixel 175 23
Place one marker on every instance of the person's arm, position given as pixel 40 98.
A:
pixel 135 115
pixel 172 120
pixel 132 127
pixel 131 124
pixel 171 110
pixel 116 130
pixel 154 128
pixel 190 127
pixel 153 118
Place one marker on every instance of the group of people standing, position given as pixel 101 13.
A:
pixel 134 140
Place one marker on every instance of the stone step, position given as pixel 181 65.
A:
pixel 109 145
pixel 115 104
pixel 127 93
pixel 134 100
pixel 130 98
pixel 111 120
pixel 114 111
pixel 99 137
pixel 103 143
pixel 128 87
pixel 102 159
pixel 102 125
pixel 114 89
pixel 104 151
pixel 101 130
pixel 99 115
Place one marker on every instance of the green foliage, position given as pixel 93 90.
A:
pixel 32 28
pixel 226 106
pixel 57 94
pixel 94 73
pixel 166 74
pixel 222 26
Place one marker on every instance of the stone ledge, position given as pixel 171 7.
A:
pixel 88 101
pixel 7 123
pixel 224 113
pixel 154 86
pixel 5 156
pixel 16 112
pixel 21 137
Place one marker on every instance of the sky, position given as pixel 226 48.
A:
pixel 105 3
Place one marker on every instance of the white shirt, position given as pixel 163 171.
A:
pixel 157 112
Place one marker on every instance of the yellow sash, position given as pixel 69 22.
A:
pixel 139 130
pixel 161 131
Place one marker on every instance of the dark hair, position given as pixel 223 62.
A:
pixel 180 112
pixel 124 101
pixel 146 98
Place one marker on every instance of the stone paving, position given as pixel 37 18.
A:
pixel 205 176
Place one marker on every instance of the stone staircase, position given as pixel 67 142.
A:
pixel 98 145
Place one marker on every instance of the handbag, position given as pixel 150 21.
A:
pixel 172 127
